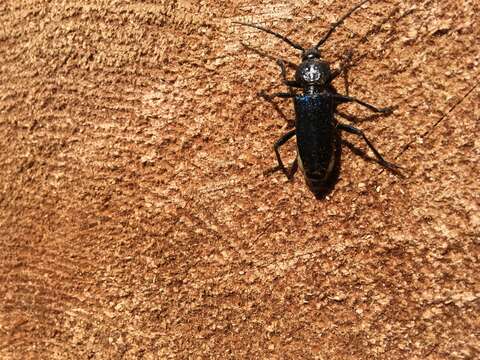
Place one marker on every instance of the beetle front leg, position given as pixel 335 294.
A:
pixel 276 146
pixel 353 130
pixel 345 64
pixel 289 83
pixel 283 74
pixel 343 69
pixel 341 99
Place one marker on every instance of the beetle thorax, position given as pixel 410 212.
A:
pixel 313 73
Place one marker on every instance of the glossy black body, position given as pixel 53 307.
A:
pixel 316 139
pixel 316 128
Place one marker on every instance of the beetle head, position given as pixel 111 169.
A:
pixel 310 54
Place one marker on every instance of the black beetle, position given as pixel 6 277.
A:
pixel 316 128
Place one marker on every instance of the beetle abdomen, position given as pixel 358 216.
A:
pixel 316 138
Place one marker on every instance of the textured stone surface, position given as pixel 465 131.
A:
pixel 135 219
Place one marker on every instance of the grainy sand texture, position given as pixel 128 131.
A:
pixel 136 221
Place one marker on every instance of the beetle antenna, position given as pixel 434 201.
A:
pixel 339 22
pixel 284 38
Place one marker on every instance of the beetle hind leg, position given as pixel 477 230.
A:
pixel 289 173
pixel 276 146
pixel 353 130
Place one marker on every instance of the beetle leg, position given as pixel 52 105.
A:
pixel 283 74
pixel 343 69
pixel 345 64
pixel 269 97
pixel 289 83
pixel 340 99
pixel 353 130
pixel 290 172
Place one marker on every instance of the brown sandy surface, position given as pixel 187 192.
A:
pixel 135 219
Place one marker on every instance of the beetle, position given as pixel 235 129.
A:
pixel 316 129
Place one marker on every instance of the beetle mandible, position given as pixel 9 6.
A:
pixel 316 128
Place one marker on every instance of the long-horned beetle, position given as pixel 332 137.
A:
pixel 316 128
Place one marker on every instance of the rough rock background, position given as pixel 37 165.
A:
pixel 135 219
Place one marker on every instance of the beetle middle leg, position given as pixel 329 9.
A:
pixel 341 99
pixel 353 130
pixel 276 146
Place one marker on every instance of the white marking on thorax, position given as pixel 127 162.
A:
pixel 311 73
